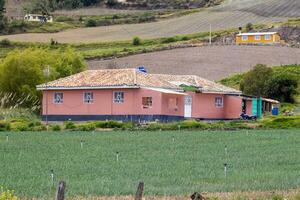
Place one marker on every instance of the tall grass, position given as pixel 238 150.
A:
pixel 16 106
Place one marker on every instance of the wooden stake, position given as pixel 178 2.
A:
pixel 140 191
pixel 225 169
pixel 60 194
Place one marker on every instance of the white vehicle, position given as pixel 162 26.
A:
pixel 38 18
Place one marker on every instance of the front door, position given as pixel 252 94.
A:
pixel 187 106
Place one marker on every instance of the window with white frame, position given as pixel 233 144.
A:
pixel 147 102
pixel 257 37
pixel 118 97
pixel 88 97
pixel 219 102
pixel 58 98
pixel 245 38
pixel 267 37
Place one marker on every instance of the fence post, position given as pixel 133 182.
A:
pixel 60 194
pixel 140 191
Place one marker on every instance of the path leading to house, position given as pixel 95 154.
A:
pixel 231 14
pixel 213 63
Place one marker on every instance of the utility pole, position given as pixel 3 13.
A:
pixel 210 35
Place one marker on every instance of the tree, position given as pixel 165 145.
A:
pixel 21 71
pixel 3 20
pixel 255 81
pixel 282 87
pixel 136 41
pixel 249 27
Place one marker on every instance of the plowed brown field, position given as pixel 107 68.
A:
pixel 213 63
pixel 232 13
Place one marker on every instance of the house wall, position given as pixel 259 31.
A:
pixel 251 39
pixel 233 107
pixel 203 106
pixel 103 103
pixel 172 104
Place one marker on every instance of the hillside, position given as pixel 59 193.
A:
pixel 232 14
pixel 213 63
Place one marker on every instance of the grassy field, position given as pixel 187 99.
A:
pixel 170 163
pixel 232 14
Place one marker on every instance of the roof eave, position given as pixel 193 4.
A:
pixel 39 88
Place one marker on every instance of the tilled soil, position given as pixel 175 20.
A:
pixel 213 63
pixel 232 14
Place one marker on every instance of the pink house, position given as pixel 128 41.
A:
pixel 132 95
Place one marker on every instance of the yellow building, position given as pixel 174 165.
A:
pixel 258 38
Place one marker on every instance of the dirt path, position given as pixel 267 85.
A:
pixel 209 62
pixel 232 14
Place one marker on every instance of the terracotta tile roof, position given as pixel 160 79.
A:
pixel 109 78
pixel 204 85
pixel 133 78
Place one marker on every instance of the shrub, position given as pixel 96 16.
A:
pixel 184 38
pixel 91 23
pixel 112 3
pixel 5 42
pixel 281 122
pixel 19 126
pixel 192 124
pixel 4 126
pixel 136 41
pixel 64 19
pixel 86 127
pixel 56 127
pixel 70 125
pixel 169 40
pixel 109 124
pixel 7 194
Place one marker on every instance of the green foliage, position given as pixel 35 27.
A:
pixel 255 81
pixel 6 194
pixel 282 86
pixel 282 122
pixel 69 125
pixel 287 107
pixel 86 127
pixel 169 40
pixel 31 63
pixel 112 3
pixel 136 41
pixel 5 43
pixel 55 127
pixel 249 27
pixel 233 81
pixel 63 18
pixel 4 126
pixel 91 23
pixel 3 20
